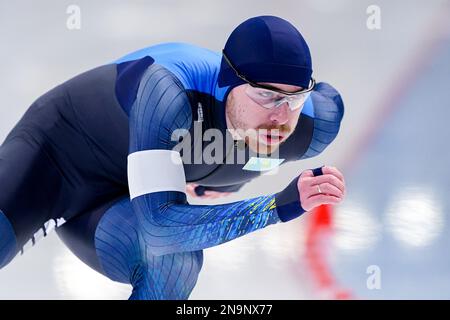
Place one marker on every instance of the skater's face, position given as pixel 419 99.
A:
pixel 262 128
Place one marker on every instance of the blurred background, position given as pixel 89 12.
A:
pixel 389 239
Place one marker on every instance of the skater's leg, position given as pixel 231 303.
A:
pixel 8 245
pixel 108 239
pixel 29 183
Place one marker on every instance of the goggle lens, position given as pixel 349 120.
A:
pixel 271 99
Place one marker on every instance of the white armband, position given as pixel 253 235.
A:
pixel 154 171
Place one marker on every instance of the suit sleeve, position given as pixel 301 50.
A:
pixel 168 223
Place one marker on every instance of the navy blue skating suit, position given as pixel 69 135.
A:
pixel 65 164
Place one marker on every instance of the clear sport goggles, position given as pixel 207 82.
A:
pixel 271 97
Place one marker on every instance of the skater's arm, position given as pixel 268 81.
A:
pixel 157 181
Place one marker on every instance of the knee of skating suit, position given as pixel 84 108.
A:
pixel 124 257
pixel 8 245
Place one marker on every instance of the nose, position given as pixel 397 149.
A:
pixel 280 115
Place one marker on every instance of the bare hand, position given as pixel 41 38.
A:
pixel 331 184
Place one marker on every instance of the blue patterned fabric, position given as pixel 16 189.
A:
pixel 7 241
pixel 125 258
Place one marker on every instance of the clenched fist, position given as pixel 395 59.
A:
pixel 328 188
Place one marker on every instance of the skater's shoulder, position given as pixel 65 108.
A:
pixel 326 103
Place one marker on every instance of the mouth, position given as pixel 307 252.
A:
pixel 272 138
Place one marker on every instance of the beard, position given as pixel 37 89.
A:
pixel 235 113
